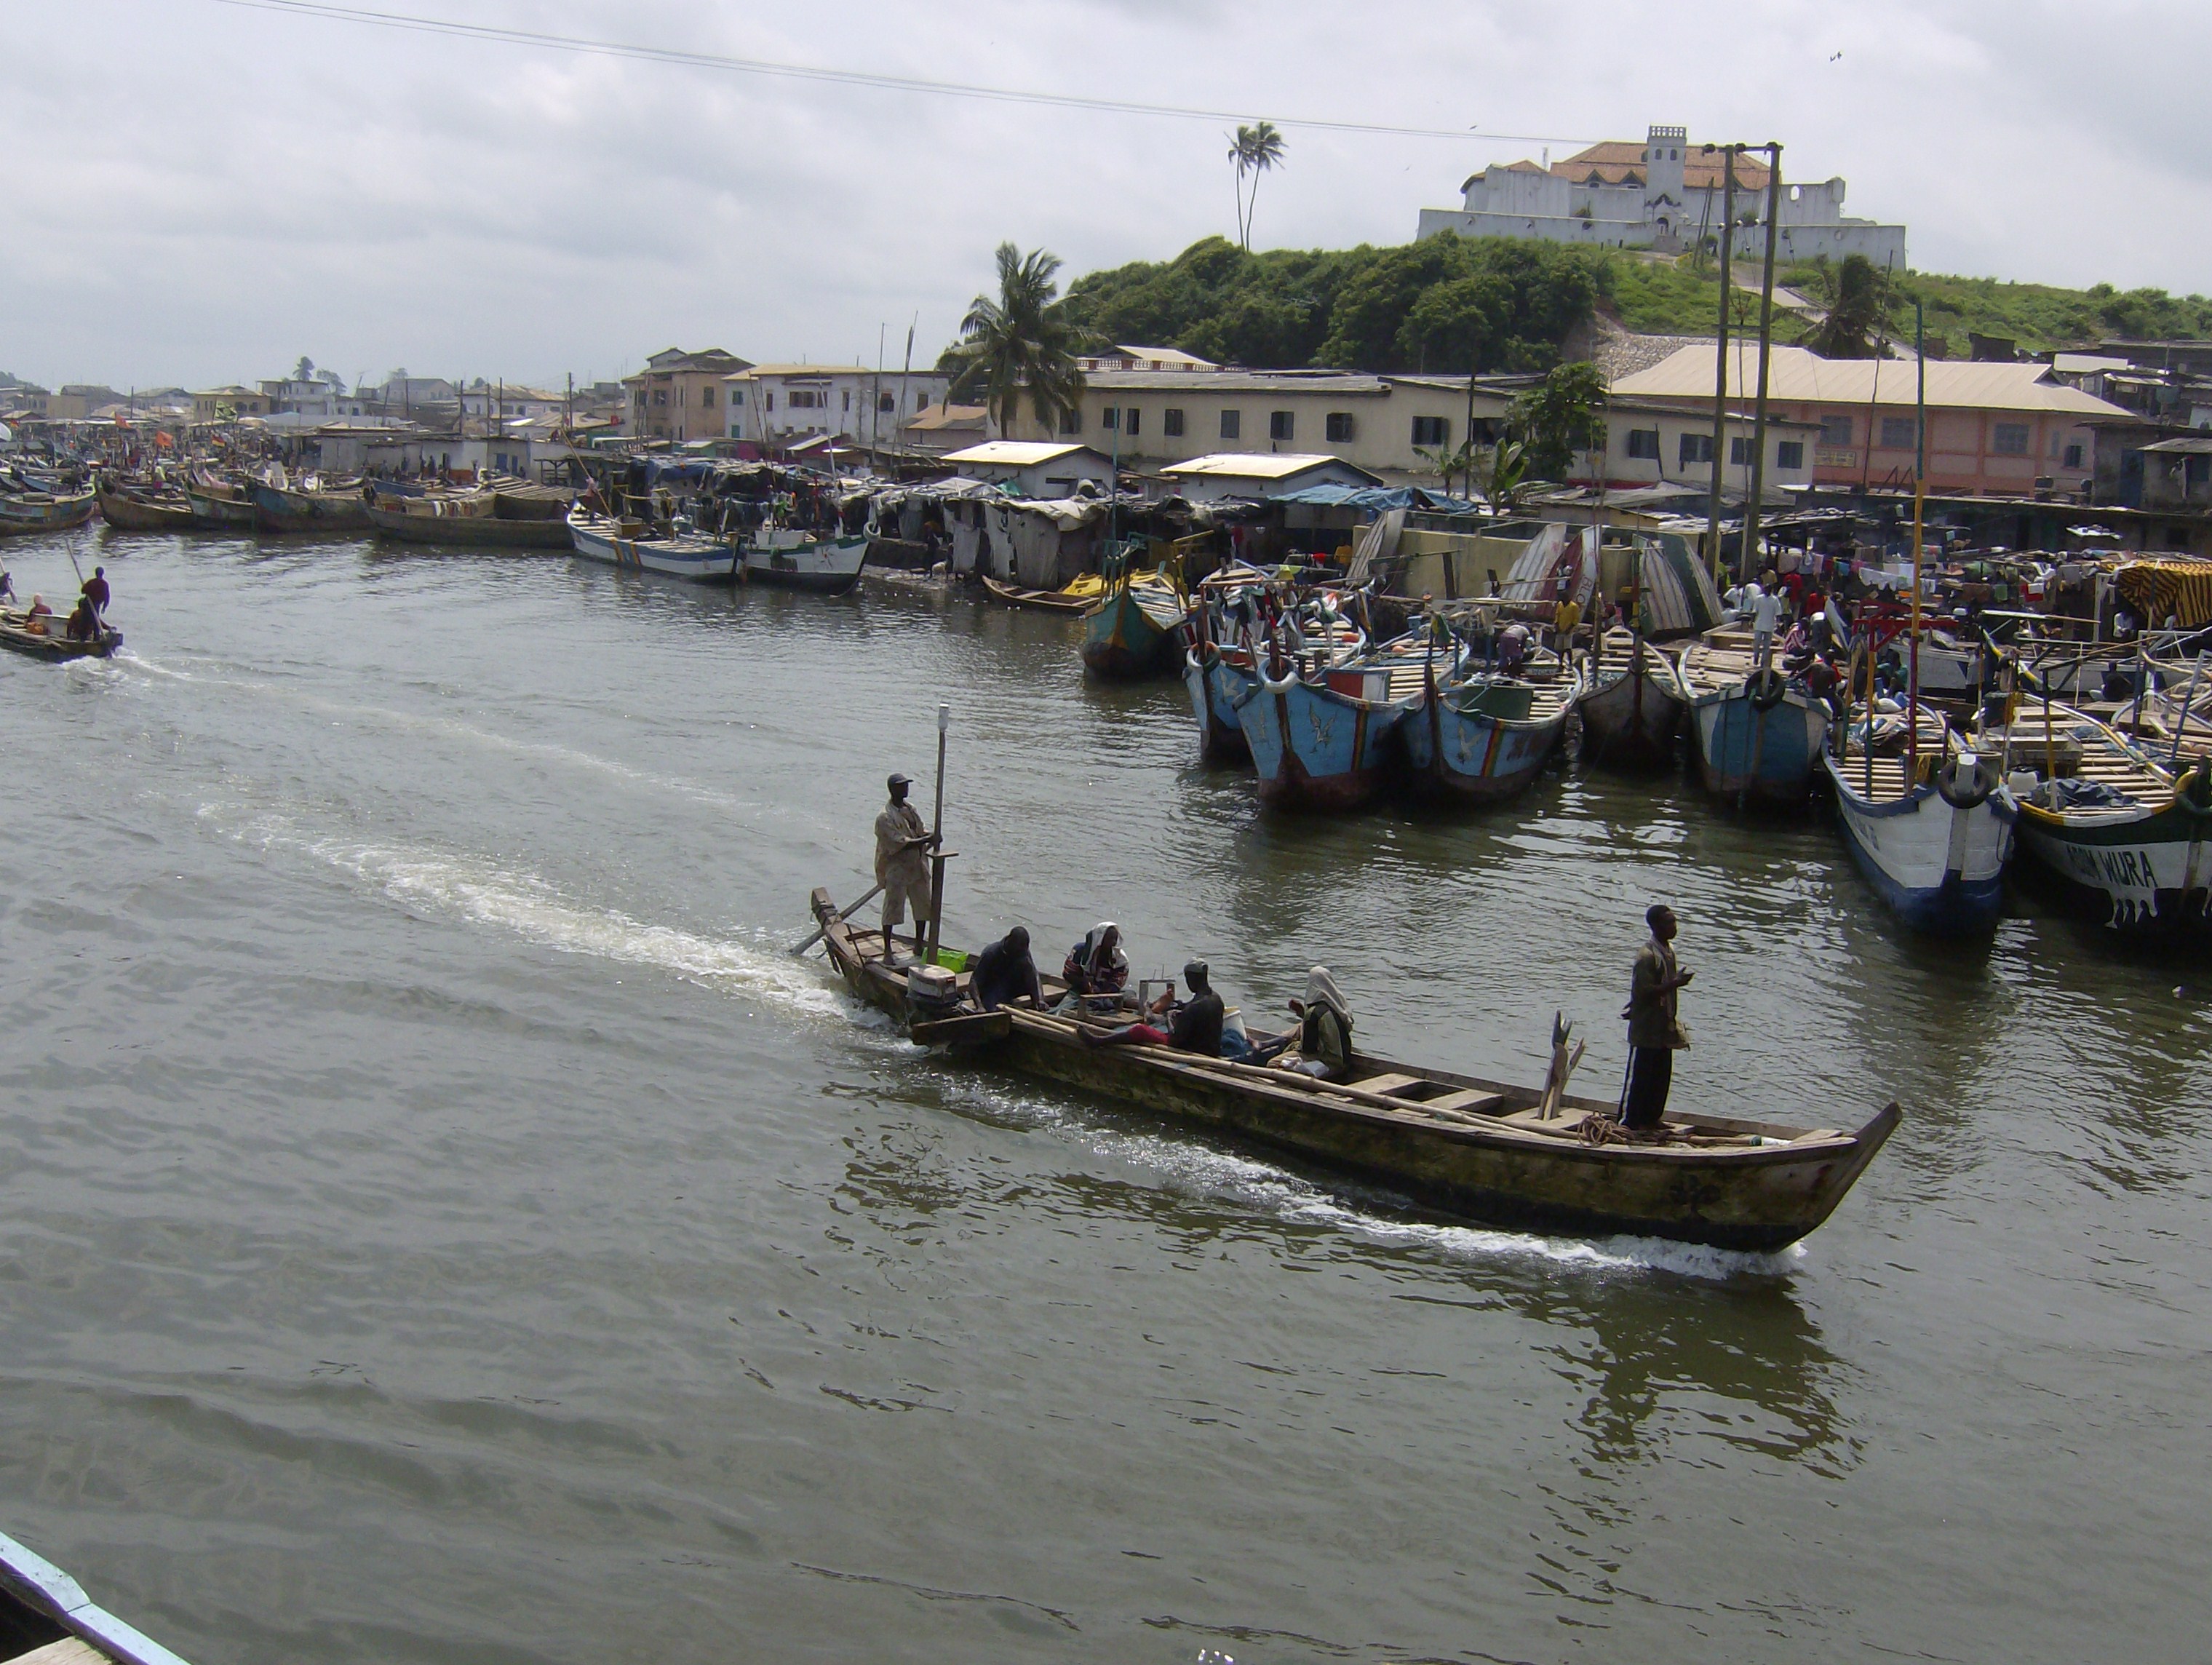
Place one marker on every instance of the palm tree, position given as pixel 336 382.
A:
pixel 1022 341
pixel 1258 147
pixel 1860 296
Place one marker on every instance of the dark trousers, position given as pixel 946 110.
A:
pixel 1651 1075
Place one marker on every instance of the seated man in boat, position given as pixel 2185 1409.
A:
pixel 34 621
pixel 1655 1031
pixel 81 625
pixel 1320 1046
pixel 1004 973
pixel 1194 1026
pixel 903 864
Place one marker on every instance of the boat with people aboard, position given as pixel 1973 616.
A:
pixel 38 632
pixel 1478 732
pixel 46 1618
pixel 1757 730
pixel 1469 1148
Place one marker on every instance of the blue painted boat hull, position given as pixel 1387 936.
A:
pixel 1215 688
pixel 1478 759
pixel 1765 756
pixel 1315 748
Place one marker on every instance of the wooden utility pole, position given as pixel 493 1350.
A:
pixel 1720 358
pixel 1765 352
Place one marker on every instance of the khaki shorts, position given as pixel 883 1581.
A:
pixel 900 889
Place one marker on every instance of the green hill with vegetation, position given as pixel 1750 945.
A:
pixel 1504 304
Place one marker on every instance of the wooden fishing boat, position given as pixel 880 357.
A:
pixel 22 512
pixel 1135 629
pixel 1217 679
pixel 1758 735
pixel 131 507
pixel 219 505
pixel 47 638
pixel 1475 1149
pixel 1072 603
pixel 1481 738
pixel 473 519
pixel 309 508
pixel 795 560
pixel 1931 835
pixel 695 555
pixel 2127 841
pixel 46 1618
pixel 1632 703
pixel 1327 741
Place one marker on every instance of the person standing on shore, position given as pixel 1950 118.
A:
pixel 903 864
pixel 1655 1030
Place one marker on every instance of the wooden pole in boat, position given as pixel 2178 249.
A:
pixel 1720 361
pixel 1752 504
pixel 2188 699
pixel 937 840
pixel 1919 510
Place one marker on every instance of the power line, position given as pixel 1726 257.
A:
pixel 415 23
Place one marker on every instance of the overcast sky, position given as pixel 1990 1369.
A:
pixel 199 192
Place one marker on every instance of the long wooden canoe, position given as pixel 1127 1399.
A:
pixel 47 637
pixel 1476 1149
pixel 130 509
pixel 1042 601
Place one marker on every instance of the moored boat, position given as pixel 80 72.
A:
pixel 1327 742
pixel 795 560
pixel 691 555
pixel 309 507
pixel 1481 738
pixel 475 519
pixel 1135 629
pixel 1632 703
pixel 1930 827
pixel 1074 601
pixel 22 512
pixel 218 504
pixel 1473 1148
pixel 1216 679
pixel 1758 733
pixel 133 507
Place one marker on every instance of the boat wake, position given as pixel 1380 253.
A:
pixel 484 892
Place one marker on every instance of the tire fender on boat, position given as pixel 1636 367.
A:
pixel 1973 794
pixel 2194 794
pixel 1765 687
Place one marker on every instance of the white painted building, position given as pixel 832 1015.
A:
pixel 1035 469
pixel 1261 474
pixel 1664 194
pixel 774 405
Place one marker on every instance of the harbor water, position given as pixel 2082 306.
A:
pixel 439 1222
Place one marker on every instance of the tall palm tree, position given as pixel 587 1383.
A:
pixel 1258 147
pixel 1022 341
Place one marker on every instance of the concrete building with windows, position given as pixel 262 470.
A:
pixel 1665 194
pixel 229 404
pixel 1034 468
pixel 1993 429
pixel 678 395
pixel 1650 443
pixel 777 405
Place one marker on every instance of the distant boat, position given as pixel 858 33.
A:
pixel 1632 703
pixel 309 508
pixel 1135 630
pixel 46 1618
pixel 1481 738
pixel 695 555
pixel 47 637
pixel 1935 846
pixel 1073 601
pixel 219 505
pixel 22 512
pixel 826 564
pixel 133 507
pixel 478 519
pixel 1759 734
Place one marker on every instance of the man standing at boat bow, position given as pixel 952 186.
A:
pixel 1654 1032
pixel 903 842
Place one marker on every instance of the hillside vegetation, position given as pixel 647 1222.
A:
pixel 1503 304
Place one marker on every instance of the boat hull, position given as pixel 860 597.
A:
pixel 212 513
pixel 477 531
pixel 22 516
pixel 824 565
pixel 1215 688
pixel 2146 876
pixel 1630 721
pixel 1123 642
pixel 53 645
pixel 308 512
pixel 1473 758
pixel 1938 867
pixel 127 513
pixel 1760 756
pixel 1314 748
pixel 702 561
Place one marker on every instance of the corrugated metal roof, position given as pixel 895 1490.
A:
pixel 1261 465
pixel 1800 376
pixel 1015 453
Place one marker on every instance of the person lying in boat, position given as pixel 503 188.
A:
pixel 1194 1026
pixel 1096 965
pixel 1004 973
pixel 1320 1046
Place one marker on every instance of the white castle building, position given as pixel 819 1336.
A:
pixel 1664 195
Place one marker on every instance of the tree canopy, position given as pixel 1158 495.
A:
pixel 1022 342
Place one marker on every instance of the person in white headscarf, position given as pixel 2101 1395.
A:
pixel 1098 966
pixel 1320 1046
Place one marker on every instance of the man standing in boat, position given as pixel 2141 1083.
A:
pixel 1654 1032
pixel 903 842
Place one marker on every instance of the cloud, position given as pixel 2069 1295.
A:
pixel 201 193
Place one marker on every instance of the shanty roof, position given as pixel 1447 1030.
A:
pixel 1155 358
pixel 2196 445
pixel 931 418
pixel 1017 453
pixel 1261 465
pixel 1801 377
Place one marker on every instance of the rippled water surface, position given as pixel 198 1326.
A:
pixel 438 1222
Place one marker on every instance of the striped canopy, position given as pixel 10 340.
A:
pixel 2158 589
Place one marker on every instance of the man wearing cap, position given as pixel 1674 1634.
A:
pixel 1655 1035
pixel 903 864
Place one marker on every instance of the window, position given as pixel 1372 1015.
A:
pixel 1172 422
pixel 737 396
pixel 1897 434
pixel 2073 456
pixel 660 396
pixel 1111 419
pixel 1644 445
pixel 2009 439
pixel 1129 416
pixel 1071 420
pixel 887 404
pixel 1336 427
pixel 1738 453
pixel 1282 425
pixel 771 401
pixel 849 399
pixel 1432 431
pixel 1837 430
pixel 1232 424
pixel 1695 448
pixel 641 399
pixel 1789 455
pixel 707 398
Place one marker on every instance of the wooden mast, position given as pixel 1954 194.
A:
pixel 1765 355
pixel 1720 358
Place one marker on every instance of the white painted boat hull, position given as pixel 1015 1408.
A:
pixel 1941 868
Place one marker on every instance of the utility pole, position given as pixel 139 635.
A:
pixel 1720 357
pixel 1765 353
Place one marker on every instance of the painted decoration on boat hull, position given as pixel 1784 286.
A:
pixel 702 560
pixel 1939 867
pixel 824 565
pixel 2147 876
pixel 1313 748
pixel 1480 759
